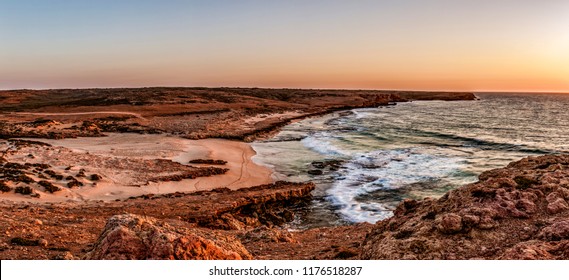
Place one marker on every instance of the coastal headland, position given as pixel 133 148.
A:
pixel 108 173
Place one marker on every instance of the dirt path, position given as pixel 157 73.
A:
pixel 242 169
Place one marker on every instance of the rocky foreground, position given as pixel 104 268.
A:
pixel 55 230
pixel 517 212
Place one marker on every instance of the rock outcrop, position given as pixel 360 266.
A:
pixel 250 207
pixel 41 173
pixel 201 225
pixel 131 236
pixel 517 212
pixel 183 225
pixel 208 161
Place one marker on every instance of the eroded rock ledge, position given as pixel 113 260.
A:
pixel 210 213
pixel 202 225
pixel 516 212
pixel 233 210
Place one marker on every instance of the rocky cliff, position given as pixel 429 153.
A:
pixel 517 212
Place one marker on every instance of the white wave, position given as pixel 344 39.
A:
pixel 322 145
pixel 369 113
pixel 390 169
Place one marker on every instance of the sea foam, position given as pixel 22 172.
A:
pixel 384 171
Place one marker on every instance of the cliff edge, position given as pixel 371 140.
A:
pixel 517 212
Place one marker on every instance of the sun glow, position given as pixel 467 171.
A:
pixel 482 45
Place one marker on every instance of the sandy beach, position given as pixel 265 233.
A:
pixel 132 150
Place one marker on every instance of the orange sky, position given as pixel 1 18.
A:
pixel 440 45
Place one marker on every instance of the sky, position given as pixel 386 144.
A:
pixel 483 45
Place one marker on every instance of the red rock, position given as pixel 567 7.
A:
pixel 449 223
pixel 525 251
pixel 557 206
pixel 487 223
pixel 555 232
pixel 266 234
pixel 516 212
pixel 135 237
pixel 470 220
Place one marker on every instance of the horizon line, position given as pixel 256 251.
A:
pixel 283 88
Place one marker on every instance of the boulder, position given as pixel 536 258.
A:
pixel 131 236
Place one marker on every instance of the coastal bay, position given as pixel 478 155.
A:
pixel 139 163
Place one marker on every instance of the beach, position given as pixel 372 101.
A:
pixel 120 181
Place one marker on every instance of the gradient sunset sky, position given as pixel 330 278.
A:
pixel 484 45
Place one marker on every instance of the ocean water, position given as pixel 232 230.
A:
pixel 381 156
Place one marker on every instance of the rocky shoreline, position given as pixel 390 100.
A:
pixel 517 212
pixel 243 114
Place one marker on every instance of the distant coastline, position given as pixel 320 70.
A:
pixel 195 113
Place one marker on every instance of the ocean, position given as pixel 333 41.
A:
pixel 366 161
